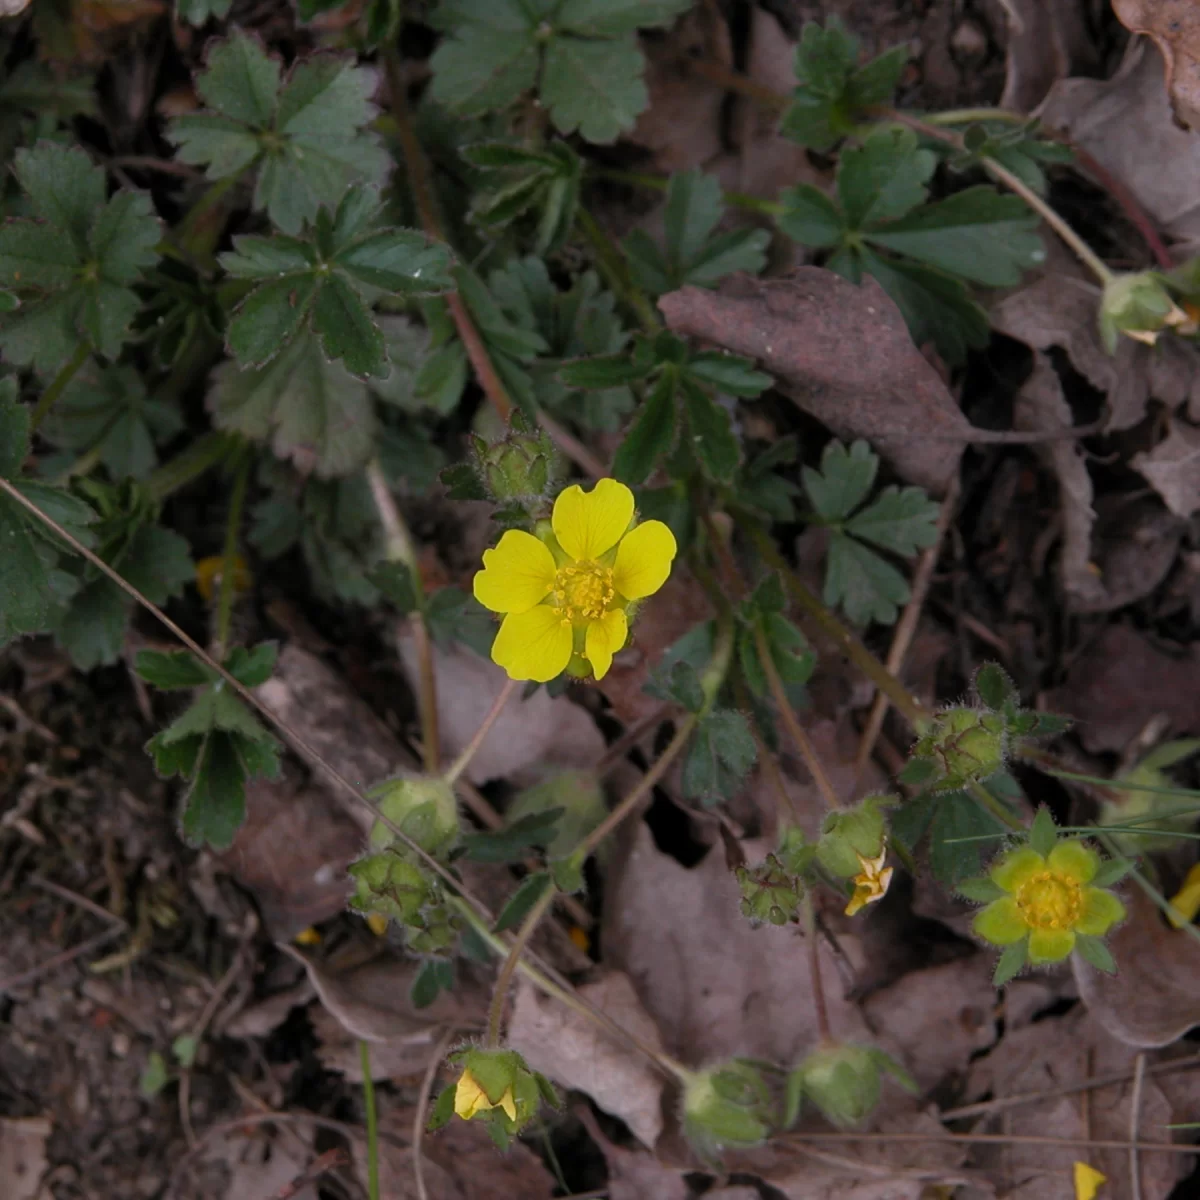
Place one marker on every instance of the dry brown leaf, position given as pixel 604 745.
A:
pixel 570 1050
pixel 843 354
pixel 634 1174
pixel 292 853
pixel 23 1158
pixel 1058 1052
pixel 716 987
pixel 1174 27
pixel 529 737
pixel 1120 682
pixel 1126 125
pixel 1173 468
pixel 1153 998
pixel 1040 405
pixel 1046 39
pixel 1136 544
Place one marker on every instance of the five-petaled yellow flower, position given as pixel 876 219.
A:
pixel 1048 900
pixel 565 596
pixel 470 1098
pixel 871 883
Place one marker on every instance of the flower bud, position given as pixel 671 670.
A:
pixel 425 808
pixel 965 745
pixel 843 1081
pixel 1139 306
pixel 390 886
pixel 1151 798
pixel 519 469
pixel 728 1105
pixel 769 893
pixel 495 1086
pixel 851 833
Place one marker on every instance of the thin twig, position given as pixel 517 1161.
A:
pixel 906 627
pixel 463 761
pixel 364 1055
pixel 418 1125
pixel 999 1139
pixel 61 960
pixel 814 966
pixel 1135 1117
pixel 504 978
pixel 56 889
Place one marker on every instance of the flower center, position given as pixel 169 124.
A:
pixel 583 591
pixel 1049 901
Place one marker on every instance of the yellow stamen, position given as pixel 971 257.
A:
pixel 583 591
pixel 1050 901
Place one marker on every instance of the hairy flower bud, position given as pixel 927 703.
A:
pixel 520 468
pixel 726 1106
pixel 966 745
pixel 843 1080
pixel 425 808
pixel 852 834
pixel 770 894
pixel 1139 306
pixel 496 1086
pixel 389 885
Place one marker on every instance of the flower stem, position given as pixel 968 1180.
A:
pixel 463 761
pixel 965 116
pixel 202 455
pixel 364 1057
pixel 58 384
pixel 399 547
pixel 615 269
pixel 504 979
pixel 814 968
pixel 229 554
pixel 795 730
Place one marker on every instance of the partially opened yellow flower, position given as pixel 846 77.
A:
pixel 871 883
pixel 470 1098
pixel 1087 1181
pixel 566 596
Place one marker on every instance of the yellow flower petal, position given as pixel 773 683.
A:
pixel 1087 1181
pixel 1001 922
pixel 516 575
pixel 1013 869
pixel 1074 860
pixel 863 895
pixel 644 560
pixel 509 1104
pixel 469 1097
pixel 1101 910
pixel 589 523
pixel 604 638
pixel 533 645
pixel 1050 945
pixel 1185 904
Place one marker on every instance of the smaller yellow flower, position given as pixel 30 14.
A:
pixel 1048 900
pixel 470 1098
pixel 565 595
pixel 208 575
pixel 871 883
pixel 1087 1181
pixel 1185 904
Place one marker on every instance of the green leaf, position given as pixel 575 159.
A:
pixel 522 900
pixel 92 628
pixel 977 234
pixel 171 670
pixel 980 889
pixel 713 441
pixel 720 755
pixel 811 218
pixel 184 1049
pixel 154 1076
pixel 347 331
pixel 397 260
pixel 1094 950
pixel 1111 871
pixel 844 480
pixel 593 87
pixel 680 683
pixel 436 975
pixel 309 409
pixel 512 843
pixel 865 586
pixel 884 178
pixel 1011 962
pixel 14 430
pixel 395 581
pixel 441 1112
pixel 728 373
pixel 917 771
pixel 26 592
pixel 1043 833
pixel 613 18
pixel 64 188
pixel 241 80
pixel 215 805
pixel 252 666
pixel 903 520
pixel 958 816
pixel 651 435
pixel 994 687
pixel 269 318
pixel 602 371
pixel 199 12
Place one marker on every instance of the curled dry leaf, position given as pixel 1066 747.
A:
pixel 569 1049
pixel 1153 998
pixel 529 737
pixel 843 354
pixel 1174 27
pixel 716 988
pixel 1172 468
pixel 1121 682
pixel 1127 126
pixel 1057 1052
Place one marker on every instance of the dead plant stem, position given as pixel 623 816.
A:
pixel 463 761
pixel 820 1008
pixel 505 977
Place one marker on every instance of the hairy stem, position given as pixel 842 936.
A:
pixel 229 555
pixel 364 1058
pixel 399 547
pixel 201 456
pixel 58 384
pixel 814 968
pixel 612 265
pixel 991 805
pixel 504 979
pixel 460 764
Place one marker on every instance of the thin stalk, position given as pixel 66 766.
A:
pixel 504 979
pixel 991 805
pixel 998 1139
pixel 364 1057
pixel 905 703
pixel 731 81
pixel 471 902
pixel 615 269
pixel 795 730
pixel 200 457
pixel 964 116
pixel 460 764
pixel 59 383
pixel 820 1007
pixel 229 554
pixel 399 547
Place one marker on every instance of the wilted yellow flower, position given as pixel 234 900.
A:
pixel 1087 1181
pixel 208 575
pixel 871 883
pixel 470 1098
pixel 567 594
pixel 1185 904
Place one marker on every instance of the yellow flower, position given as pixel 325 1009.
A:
pixel 1087 1181
pixel 208 575
pixel 871 883
pixel 567 596
pixel 470 1098
pixel 1185 904
pixel 1048 899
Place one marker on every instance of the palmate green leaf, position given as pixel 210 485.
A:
pixel 26 591
pixel 512 843
pixel 582 55
pixel 72 265
pixel 693 253
pixel 171 670
pixel 977 234
pixel 811 218
pixel 884 178
pixel 307 135
pixel 903 520
pixel 844 480
pixel 522 900
pixel 864 585
pixel 197 12
pixel 719 757
pixel 728 373
pixel 957 815
pixel 652 434
pixel 14 430
pixel 710 430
